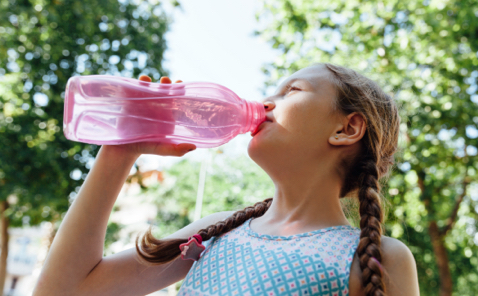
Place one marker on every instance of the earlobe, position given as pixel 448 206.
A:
pixel 335 139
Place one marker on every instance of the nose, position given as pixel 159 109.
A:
pixel 268 105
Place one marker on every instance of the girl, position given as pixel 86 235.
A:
pixel 330 133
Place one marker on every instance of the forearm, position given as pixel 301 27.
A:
pixel 78 244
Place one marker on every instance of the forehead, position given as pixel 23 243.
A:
pixel 317 76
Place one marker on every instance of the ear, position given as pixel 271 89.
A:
pixel 350 131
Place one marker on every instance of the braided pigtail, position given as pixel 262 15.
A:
pixel 363 171
pixel 371 217
pixel 160 251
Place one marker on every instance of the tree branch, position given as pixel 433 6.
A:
pixel 454 213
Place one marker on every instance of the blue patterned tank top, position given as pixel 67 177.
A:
pixel 243 262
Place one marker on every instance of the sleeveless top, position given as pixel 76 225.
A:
pixel 243 262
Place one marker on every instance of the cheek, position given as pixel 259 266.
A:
pixel 305 126
pixel 290 116
pixel 300 118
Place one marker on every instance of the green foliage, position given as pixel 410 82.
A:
pixel 42 44
pixel 425 53
pixel 112 236
pixel 231 184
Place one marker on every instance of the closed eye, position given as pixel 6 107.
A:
pixel 288 88
pixel 291 88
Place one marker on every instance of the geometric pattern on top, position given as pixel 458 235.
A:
pixel 243 262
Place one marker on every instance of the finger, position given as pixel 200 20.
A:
pixel 182 149
pixel 165 79
pixel 178 81
pixel 145 78
pixel 173 149
pixel 186 147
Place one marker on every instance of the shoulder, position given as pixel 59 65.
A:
pixel 400 265
pixel 399 268
pixel 226 214
pixel 396 254
pixel 390 244
pixel 397 258
pixel 202 223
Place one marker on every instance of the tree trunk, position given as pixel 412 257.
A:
pixel 4 244
pixel 441 257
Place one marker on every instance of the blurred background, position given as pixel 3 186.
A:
pixel 424 53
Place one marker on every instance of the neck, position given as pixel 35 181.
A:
pixel 306 198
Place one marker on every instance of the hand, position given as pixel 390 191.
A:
pixel 156 148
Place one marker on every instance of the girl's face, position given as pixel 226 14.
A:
pixel 302 121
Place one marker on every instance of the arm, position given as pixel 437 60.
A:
pixel 400 277
pixel 122 274
pixel 77 248
pixel 400 265
pixel 78 245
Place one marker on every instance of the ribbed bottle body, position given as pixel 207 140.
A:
pixel 110 110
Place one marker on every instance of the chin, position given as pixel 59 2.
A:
pixel 256 149
pixel 253 148
pixel 261 150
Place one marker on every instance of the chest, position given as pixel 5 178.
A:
pixel 241 265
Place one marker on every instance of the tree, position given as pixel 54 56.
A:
pixel 425 52
pixel 42 44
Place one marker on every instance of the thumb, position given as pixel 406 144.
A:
pixel 186 147
pixel 173 149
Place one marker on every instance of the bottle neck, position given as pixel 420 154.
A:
pixel 255 114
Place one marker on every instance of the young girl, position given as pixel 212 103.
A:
pixel 330 133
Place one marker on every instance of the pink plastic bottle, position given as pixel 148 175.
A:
pixel 110 110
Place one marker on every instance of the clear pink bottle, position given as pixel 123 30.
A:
pixel 110 110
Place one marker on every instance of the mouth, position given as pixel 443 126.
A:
pixel 260 127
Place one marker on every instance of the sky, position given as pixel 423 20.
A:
pixel 213 40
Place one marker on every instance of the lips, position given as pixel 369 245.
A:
pixel 260 127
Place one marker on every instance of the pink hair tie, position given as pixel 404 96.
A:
pixel 192 249
pixel 378 262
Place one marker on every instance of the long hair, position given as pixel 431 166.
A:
pixel 360 174
pixel 356 93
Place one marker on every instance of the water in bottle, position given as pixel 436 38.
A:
pixel 111 110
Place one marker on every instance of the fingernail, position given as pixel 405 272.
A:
pixel 165 79
pixel 145 78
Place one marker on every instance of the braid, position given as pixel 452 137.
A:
pixel 356 93
pixel 235 220
pixel 160 251
pixel 371 217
